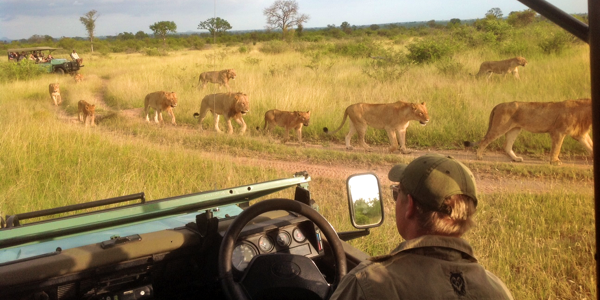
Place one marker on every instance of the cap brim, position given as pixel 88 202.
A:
pixel 396 172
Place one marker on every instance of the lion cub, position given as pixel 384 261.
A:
pixel 55 93
pixel 78 77
pixel 86 112
pixel 288 120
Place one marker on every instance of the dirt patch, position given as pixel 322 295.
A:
pixel 487 182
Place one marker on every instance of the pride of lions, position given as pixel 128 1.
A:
pixel 560 119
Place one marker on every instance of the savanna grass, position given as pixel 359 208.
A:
pixel 541 245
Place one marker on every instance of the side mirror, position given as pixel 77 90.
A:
pixel 364 200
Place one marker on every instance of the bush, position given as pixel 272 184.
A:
pixel 431 50
pixel 23 70
pixel 243 49
pixel 449 67
pixel 514 48
pixel 155 52
pixel 556 43
pixel 274 47
pixel 387 65
pixel 355 49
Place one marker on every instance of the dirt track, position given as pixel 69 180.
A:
pixel 487 182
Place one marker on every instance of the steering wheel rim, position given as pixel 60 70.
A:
pixel 234 290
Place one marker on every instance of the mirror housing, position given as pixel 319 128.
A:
pixel 364 200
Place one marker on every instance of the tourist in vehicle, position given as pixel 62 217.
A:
pixel 435 203
pixel 76 58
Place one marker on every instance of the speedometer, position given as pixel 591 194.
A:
pixel 242 255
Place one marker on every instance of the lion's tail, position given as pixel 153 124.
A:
pixel 326 130
pixel 196 115
pixel 475 144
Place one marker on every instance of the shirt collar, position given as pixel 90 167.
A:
pixel 436 241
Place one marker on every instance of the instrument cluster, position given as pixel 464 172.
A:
pixel 300 239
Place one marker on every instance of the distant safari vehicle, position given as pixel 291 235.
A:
pixel 52 65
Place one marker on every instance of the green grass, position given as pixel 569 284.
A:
pixel 541 245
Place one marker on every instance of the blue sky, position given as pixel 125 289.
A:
pixel 58 18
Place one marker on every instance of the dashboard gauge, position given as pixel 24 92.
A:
pixel 265 243
pixel 242 255
pixel 298 235
pixel 283 239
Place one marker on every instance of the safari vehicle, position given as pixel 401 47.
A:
pixel 56 65
pixel 214 245
pixel 209 245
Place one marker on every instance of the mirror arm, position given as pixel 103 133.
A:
pixel 350 235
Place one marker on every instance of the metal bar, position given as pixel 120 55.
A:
pixel 69 208
pixel 152 210
pixel 560 18
pixel 591 35
pixel 594 42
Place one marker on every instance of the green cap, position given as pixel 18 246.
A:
pixel 431 178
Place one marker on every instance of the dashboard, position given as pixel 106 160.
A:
pixel 300 239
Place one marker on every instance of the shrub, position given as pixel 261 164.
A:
pixel 387 65
pixel 23 70
pixel 514 48
pixel 155 52
pixel 556 43
pixel 430 50
pixel 243 49
pixel 449 67
pixel 252 61
pixel 274 47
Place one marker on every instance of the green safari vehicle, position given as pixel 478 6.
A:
pixel 55 65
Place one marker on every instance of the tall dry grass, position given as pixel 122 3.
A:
pixel 539 244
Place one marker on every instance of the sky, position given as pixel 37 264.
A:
pixel 21 19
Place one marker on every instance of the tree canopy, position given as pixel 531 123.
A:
pixel 89 21
pixel 163 28
pixel 216 26
pixel 283 14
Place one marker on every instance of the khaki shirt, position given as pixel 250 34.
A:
pixel 428 267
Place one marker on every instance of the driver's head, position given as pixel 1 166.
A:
pixel 442 191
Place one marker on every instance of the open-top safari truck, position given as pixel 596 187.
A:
pixel 55 65
pixel 209 245
pixel 214 245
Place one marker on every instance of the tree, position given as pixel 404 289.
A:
pixel 89 21
pixel 299 30
pixel 283 14
pixel 494 13
pixel 521 18
pixel 346 27
pixel 162 28
pixel 216 26
pixel 454 22
pixel 125 36
pixel 140 35
pixel 374 27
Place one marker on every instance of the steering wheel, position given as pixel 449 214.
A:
pixel 285 274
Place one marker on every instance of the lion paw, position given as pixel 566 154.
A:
pixel 556 162
pixel 518 159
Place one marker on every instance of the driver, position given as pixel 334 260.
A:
pixel 435 202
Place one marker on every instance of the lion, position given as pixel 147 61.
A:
pixel 160 101
pixel 393 117
pixel 559 119
pixel 87 112
pixel 288 120
pixel 55 93
pixel 78 77
pixel 230 105
pixel 220 77
pixel 502 67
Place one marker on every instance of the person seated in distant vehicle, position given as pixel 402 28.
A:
pixel 49 57
pixel 76 58
pixel 32 57
pixel 12 56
